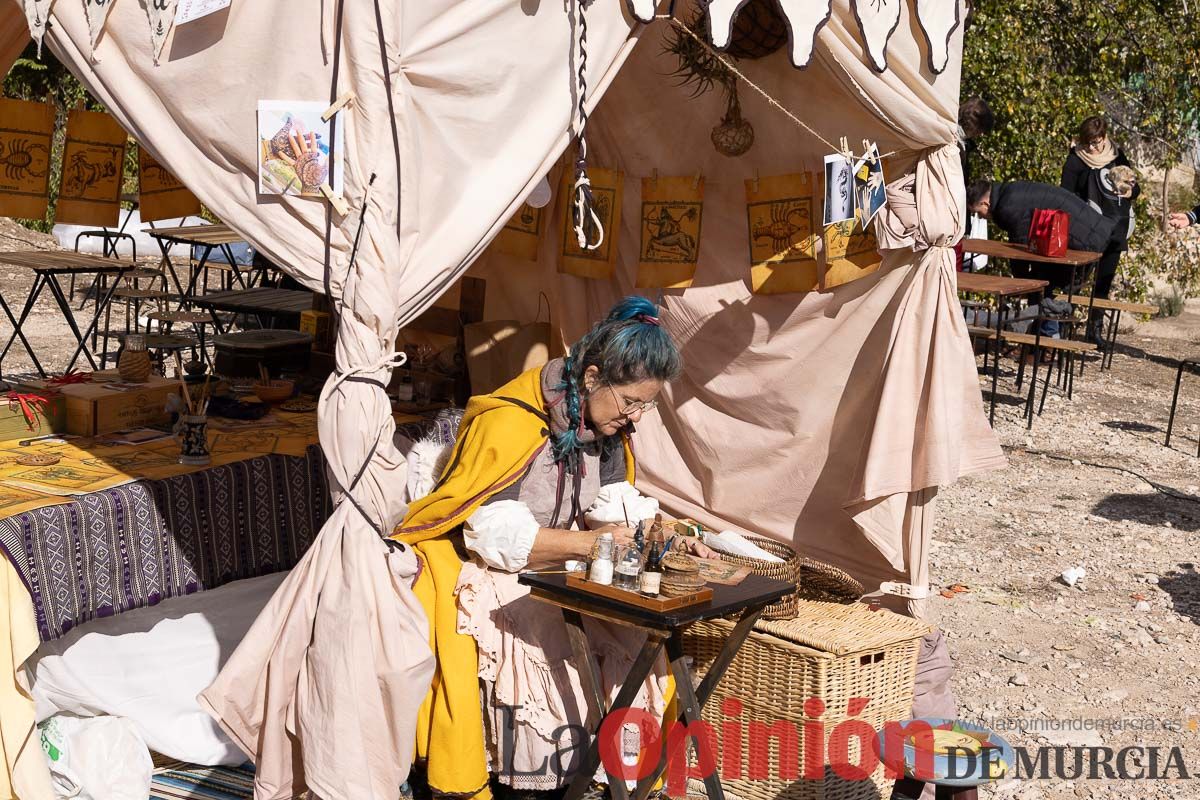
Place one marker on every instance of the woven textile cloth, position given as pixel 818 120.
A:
pixel 140 543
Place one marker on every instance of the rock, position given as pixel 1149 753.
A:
pixel 1019 679
pixel 1021 656
pixel 1115 695
pixel 1141 605
pixel 1075 462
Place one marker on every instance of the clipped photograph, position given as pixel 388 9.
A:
pixel 839 189
pixel 294 148
pixel 870 190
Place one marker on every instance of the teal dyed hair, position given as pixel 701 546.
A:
pixel 627 346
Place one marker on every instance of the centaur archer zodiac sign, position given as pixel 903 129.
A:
pixel 83 174
pixel 18 159
pixel 786 221
pixel 667 235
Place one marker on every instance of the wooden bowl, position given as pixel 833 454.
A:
pixel 276 391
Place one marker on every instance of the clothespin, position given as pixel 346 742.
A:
pixel 845 150
pixel 696 181
pixel 336 200
pixel 654 178
pixel 344 100
pixel 756 181
pixel 869 151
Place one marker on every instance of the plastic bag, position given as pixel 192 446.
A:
pixel 96 758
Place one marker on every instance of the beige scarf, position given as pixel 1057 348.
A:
pixel 1098 160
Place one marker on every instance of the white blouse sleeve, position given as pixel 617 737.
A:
pixel 502 534
pixel 618 501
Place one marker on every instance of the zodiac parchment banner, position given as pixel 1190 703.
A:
pixel 670 232
pixel 26 135
pixel 607 187
pixel 92 171
pixel 160 194
pixel 519 238
pixel 784 217
pixel 851 252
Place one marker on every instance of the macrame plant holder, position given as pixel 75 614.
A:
pixel 701 70
pixel 589 231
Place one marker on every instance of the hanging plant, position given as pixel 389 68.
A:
pixel 701 70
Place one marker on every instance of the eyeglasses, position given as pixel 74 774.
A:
pixel 1095 144
pixel 633 408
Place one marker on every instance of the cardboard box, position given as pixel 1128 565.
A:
pixel 319 325
pixel 50 417
pixel 95 408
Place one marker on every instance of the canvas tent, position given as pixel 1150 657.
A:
pixel 825 419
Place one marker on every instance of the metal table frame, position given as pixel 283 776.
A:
pixel 206 237
pixel 1000 288
pixel 664 629
pixel 47 267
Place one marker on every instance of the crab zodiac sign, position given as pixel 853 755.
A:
pixel 19 159
pixel 787 220
pixel 668 236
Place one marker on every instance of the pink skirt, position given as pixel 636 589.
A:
pixel 533 704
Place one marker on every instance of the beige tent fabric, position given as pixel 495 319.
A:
pixel 23 774
pixel 812 418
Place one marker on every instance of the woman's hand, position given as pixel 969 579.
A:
pixel 1179 221
pixel 699 549
pixel 622 536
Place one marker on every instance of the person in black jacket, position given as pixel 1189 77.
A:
pixel 1087 174
pixel 1182 219
pixel 1010 207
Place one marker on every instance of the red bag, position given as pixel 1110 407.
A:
pixel 1049 232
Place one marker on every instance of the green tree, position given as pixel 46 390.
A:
pixel 1045 65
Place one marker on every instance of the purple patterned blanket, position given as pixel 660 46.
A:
pixel 137 544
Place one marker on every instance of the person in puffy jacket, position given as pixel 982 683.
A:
pixel 1010 207
pixel 1091 173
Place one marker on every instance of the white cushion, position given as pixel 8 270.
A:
pixel 148 665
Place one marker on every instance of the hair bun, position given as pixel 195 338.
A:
pixel 633 307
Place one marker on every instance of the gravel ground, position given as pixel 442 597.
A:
pixel 1116 653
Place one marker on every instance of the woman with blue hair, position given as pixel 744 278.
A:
pixel 540 468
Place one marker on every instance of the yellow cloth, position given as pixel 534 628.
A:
pixel 24 774
pixel 496 443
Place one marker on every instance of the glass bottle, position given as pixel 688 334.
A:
pixel 601 570
pixel 651 580
pixel 627 570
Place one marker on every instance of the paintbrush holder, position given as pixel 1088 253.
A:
pixel 192 432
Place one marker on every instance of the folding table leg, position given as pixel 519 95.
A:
pixel 690 708
pixel 34 291
pixel 1174 400
pixel 200 267
pixel 598 707
pixel 1107 357
pixel 996 359
pixel 165 247
pixel 708 684
pixel 65 306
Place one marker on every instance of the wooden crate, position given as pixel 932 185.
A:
pixel 96 408
pixel 48 418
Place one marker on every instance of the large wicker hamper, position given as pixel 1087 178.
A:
pixel 830 651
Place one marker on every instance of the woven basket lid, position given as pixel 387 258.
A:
pixel 843 629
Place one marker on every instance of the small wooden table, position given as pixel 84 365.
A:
pixel 263 301
pixel 207 238
pixel 1000 288
pixel 1075 259
pixel 47 266
pixel 748 598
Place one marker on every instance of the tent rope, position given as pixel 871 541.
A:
pixel 765 95
pixel 584 210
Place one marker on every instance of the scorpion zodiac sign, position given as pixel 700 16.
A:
pixel 787 220
pixel 21 158
pixel 667 234
pixel 83 174
pixel 158 174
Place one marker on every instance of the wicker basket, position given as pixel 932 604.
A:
pixel 814 580
pixel 830 651
pixel 786 570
